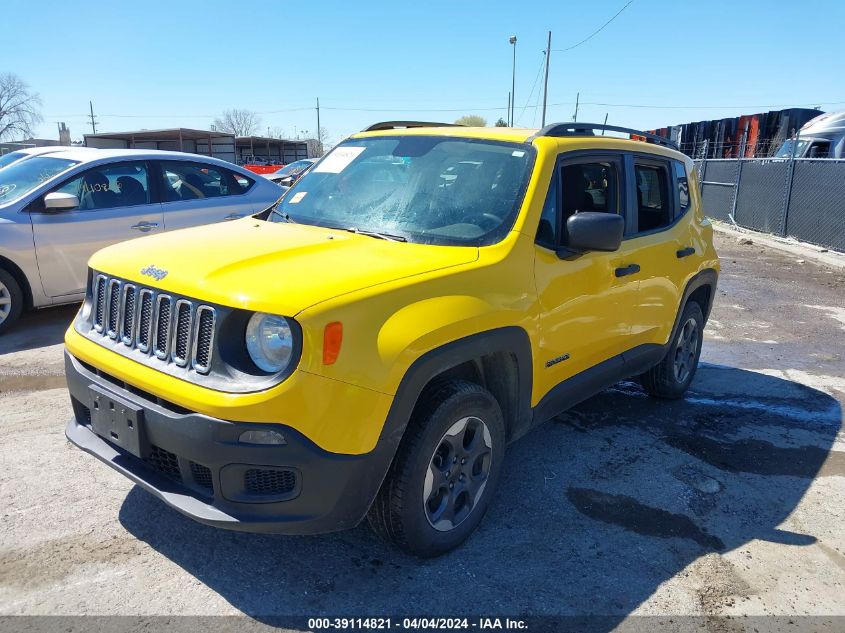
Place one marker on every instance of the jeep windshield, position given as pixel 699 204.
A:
pixel 426 189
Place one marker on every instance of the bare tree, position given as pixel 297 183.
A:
pixel 318 146
pixel 20 109
pixel 238 122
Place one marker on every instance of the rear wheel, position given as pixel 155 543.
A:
pixel 11 300
pixel 672 376
pixel 445 471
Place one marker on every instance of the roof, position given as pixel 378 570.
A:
pixel 46 149
pixel 241 140
pixel 164 133
pixel 524 135
pixel 514 135
pixel 88 154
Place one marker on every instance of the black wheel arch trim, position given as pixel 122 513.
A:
pixel 707 277
pixel 511 339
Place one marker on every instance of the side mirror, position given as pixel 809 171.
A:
pixel 595 231
pixel 60 201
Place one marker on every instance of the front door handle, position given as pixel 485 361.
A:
pixel 234 216
pixel 144 227
pixel 631 269
pixel 685 252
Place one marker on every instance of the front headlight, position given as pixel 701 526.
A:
pixel 269 341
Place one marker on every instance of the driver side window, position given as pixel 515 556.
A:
pixel 110 186
pixel 579 185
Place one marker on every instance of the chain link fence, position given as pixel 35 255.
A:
pixel 801 198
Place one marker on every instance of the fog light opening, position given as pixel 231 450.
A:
pixel 262 437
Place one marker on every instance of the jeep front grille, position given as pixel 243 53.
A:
pixel 167 328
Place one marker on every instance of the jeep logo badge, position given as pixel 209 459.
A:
pixel 156 273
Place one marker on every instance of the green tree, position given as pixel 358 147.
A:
pixel 501 123
pixel 472 120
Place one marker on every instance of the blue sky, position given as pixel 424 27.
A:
pixel 160 64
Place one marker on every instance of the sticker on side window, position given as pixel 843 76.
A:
pixel 299 195
pixel 338 159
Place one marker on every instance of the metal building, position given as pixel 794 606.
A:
pixel 207 142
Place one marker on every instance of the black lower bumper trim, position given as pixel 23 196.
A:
pixel 196 464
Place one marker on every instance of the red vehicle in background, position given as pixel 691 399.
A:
pixel 259 165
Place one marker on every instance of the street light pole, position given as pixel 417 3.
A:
pixel 512 40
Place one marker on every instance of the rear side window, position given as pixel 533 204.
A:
pixel 683 188
pixel 654 209
pixel 198 181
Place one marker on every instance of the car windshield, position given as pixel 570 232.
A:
pixel 19 179
pixel 429 189
pixel 786 150
pixel 11 157
pixel 293 168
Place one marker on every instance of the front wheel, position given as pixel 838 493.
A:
pixel 671 377
pixel 445 471
pixel 11 300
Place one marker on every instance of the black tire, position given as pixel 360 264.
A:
pixel 9 291
pixel 401 513
pixel 663 380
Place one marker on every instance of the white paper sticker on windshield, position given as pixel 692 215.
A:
pixel 339 159
pixel 299 195
pixel 518 153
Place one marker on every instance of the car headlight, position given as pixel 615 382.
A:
pixel 269 341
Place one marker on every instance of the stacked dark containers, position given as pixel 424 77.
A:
pixel 747 136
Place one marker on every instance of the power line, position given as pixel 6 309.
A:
pixel 534 85
pixel 770 106
pixel 596 32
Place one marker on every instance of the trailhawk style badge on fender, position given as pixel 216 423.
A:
pixel 369 345
pixel 156 273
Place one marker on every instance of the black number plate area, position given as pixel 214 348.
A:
pixel 117 420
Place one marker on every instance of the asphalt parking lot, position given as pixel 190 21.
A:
pixel 730 502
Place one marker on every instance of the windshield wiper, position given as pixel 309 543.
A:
pixel 377 234
pixel 284 215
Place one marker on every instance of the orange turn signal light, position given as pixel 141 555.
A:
pixel 332 339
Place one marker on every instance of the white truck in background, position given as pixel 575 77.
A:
pixel 822 137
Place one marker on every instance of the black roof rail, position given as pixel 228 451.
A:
pixel 395 125
pixel 587 129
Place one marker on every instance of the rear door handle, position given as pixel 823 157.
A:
pixel 685 252
pixel 632 269
pixel 144 227
pixel 234 216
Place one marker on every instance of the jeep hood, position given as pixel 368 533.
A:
pixel 279 268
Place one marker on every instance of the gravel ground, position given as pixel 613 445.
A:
pixel 730 502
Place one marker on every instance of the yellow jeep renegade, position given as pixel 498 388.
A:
pixel 425 295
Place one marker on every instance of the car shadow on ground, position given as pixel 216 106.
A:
pixel 595 511
pixel 39 328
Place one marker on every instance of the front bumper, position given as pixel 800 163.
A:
pixel 197 465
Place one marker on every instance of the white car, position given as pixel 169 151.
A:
pixel 58 208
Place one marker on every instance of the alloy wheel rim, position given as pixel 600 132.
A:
pixel 457 473
pixel 686 349
pixel 5 302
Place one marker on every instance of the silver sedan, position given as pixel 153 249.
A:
pixel 57 209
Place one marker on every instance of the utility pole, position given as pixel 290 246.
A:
pixel 546 82
pixel 319 135
pixel 508 115
pixel 605 121
pixel 512 40
pixel 577 100
pixel 93 120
